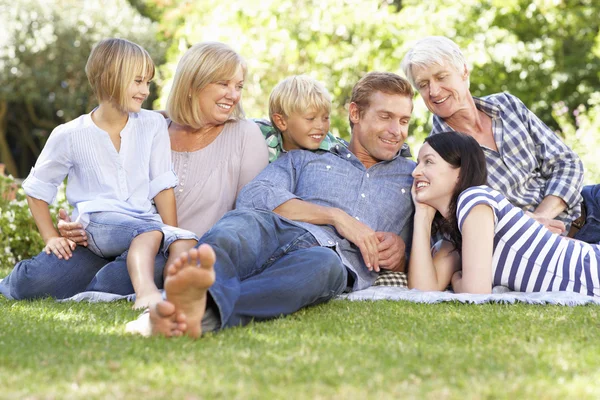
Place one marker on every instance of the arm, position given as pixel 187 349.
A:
pixel 355 231
pixel 559 165
pixel 161 174
pixel 427 272
pixel 165 205
pixel 56 244
pixel 477 249
pixel 255 154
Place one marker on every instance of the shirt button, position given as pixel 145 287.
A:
pixel 403 191
pixel 362 195
pixel 330 242
pixel 328 167
pixel 181 184
pixel 181 190
pixel 368 175
pixel 348 155
pixel 185 165
pixel 358 219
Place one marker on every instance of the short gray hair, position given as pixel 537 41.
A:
pixel 432 50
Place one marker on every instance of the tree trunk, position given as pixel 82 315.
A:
pixel 6 156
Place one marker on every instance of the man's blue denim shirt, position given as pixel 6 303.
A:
pixel 379 196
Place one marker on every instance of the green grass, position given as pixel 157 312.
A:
pixel 337 350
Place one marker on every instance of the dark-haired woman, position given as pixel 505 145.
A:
pixel 489 241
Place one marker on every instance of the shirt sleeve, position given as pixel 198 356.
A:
pixel 273 186
pixel 559 165
pixel 469 199
pixel 255 156
pixel 51 167
pixel 162 175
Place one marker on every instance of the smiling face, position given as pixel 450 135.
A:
pixel 445 90
pixel 434 179
pixel 137 92
pixel 303 130
pixel 380 130
pixel 217 100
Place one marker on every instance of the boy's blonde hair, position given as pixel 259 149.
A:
pixel 111 67
pixel 298 93
pixel 202 64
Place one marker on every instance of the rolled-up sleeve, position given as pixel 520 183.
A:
pixel 273 186
pixel 51 167
pixel 560 165
pixel 162 174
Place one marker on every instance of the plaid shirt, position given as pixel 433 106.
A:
pixel 275 142
pixel 531 162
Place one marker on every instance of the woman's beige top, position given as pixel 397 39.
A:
pixel 211 178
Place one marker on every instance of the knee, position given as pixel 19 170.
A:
pixel 330 270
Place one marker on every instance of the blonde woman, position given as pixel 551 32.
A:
pixel 215 152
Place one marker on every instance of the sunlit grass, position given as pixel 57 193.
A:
pixel 340 350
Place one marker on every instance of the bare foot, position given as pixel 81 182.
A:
pixel 162 320
pixel 186 283
pixel 145 301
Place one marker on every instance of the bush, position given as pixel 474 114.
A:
pixel 19 237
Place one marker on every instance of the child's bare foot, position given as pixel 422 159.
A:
pixel 161 320
pixel 186 283
pixel 148 300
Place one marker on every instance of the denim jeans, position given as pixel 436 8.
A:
pixel 267 267
pixel 46 275
pixel 110 234
pixel 590 232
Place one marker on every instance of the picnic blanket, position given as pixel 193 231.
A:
pixel 499 295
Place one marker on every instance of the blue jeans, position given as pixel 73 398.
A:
pixel 590 232
pixel 46 275
pixel 267 267
pixel 110 233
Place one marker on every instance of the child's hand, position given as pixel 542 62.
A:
pixel 72 230
pixel 61 247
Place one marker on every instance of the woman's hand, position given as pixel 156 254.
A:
pixel 73 231
pixel 422 209
pixel 61 247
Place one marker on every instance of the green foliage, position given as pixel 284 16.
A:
pixel 44 45
pixel 582 133
pixel 19 237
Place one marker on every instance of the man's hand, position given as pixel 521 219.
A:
pixel 392 252
pixel 362 236
pixel 553 225
pixel 61 247
pixel 73 231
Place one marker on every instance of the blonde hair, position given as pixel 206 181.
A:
pixel 202 64
pixel 111 67
pixel 298 93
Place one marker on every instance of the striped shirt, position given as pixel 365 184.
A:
pixel 531 162
pixel 100 178
pixel 527 257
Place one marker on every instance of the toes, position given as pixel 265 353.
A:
pixel 206 256
pixel 164 309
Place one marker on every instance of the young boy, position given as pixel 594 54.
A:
pixel 299 108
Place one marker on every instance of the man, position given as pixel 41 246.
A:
pixel 526 160
pixel 306 229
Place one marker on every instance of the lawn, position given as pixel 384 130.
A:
pixel 337 350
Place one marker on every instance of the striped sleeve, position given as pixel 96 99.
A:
pixel 472 197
